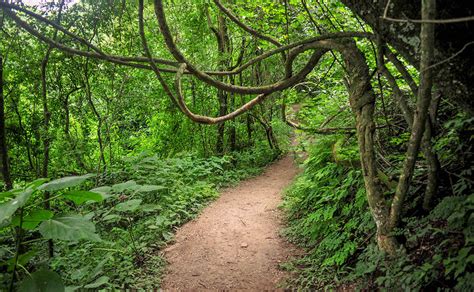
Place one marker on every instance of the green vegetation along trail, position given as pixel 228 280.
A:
pixel 235 242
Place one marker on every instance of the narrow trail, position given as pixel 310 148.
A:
pixel 235 242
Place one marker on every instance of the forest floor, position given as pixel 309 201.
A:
pixel 235 243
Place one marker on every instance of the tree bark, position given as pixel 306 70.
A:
pixel 46 119
pixel 3 139
pixel 362 101
pixel 421 114
pixel 232 130
pixel 454 78
pixel 223 48
pixel 402 101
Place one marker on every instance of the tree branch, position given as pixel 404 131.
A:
pixel 424 98
pixel 210 120
pixel 245 27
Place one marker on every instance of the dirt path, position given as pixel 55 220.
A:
pixel 235 242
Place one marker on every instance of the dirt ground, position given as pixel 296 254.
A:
pixel 235 242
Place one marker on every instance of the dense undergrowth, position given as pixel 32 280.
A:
pixel 118 235
pixel 329 216
pixel 68 108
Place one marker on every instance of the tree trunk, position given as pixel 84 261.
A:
pixel 223 47
pixel 67 132
pixel 25 135
pixel 3 139
pixel 421 113
pixel 222 97
pixel 46 136
pixel 98 116
pixel 402 101
pixel 46 118
pixel 454 78
pixel 232 130
pixel 362 101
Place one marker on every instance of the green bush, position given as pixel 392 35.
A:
pixel 328 215
pixel 119 226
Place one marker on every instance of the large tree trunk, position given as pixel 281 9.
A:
pixel 362 100
pixel 454 78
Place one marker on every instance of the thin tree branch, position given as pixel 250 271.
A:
pixel 210 120
pixel 245 27
pixel 419 122
pixel 431 21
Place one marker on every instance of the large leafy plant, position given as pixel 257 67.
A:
pixel 23 214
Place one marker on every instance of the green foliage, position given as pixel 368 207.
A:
pixel 69 228
pixel 9 208
pixel 145 198
pixel 33 219
pixel 40 281
pixel 22 212
pixel 80 197
pixel 64 182
pixel 327 211
pixel 157 170
pixel 328 215
pixel 117 227
pixel 438 252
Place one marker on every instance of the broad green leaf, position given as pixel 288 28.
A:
pixel 126 186
pixel 80 197
pixel 90 215
pixel 97 283
pixel 150 207
pixel 33 219
pixel 65 182
pixel 6 195
pixel 150 188
pixel 36 183
pixel 104 191
pixel 23 259
pixel 167 235
pixel 130 205
pixel 69 228
pixel 162 221
pixel 42 281
pixel 111 217
pixel 8 209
